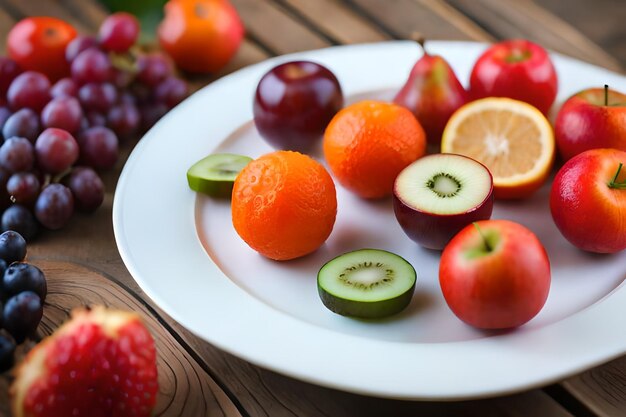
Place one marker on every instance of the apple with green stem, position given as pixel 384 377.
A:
pixel 591 119
pixel 588 200
pixel 495 274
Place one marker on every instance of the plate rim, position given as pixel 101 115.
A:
pixel 500 386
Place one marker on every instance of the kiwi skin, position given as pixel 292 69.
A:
pixel 217 189
pixel 366 310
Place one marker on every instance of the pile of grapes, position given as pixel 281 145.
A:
pixel 23 290
pixel 57 137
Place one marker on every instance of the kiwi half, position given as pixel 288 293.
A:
pixel 366 283
pixel 215 174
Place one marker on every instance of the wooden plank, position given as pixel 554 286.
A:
pixel 273 27
pixel 45 8
pixel 337 21
pixel 6 23
pixel 89 11
pixel 185 387
pixel 602 389
pixel 431 18
pixel 522 19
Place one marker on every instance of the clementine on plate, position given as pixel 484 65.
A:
pixel 284 205
pixel 511 138
pixel 368 143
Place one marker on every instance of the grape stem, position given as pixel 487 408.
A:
pixel 618 185
pixel 482 235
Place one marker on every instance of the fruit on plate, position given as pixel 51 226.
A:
pixel 38 44
pixel 517 69
pixel 590 119
pixel 495 274
pixel 588 200
pixel 432 92
pixel 200 35
pixel 368 143
pixel 215 174
pixel 511 138
pixel 102 362
pixel 366 283
pixel 294 102
pixel 438 195
pixel 284 205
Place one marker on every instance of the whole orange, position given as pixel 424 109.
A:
pixel 368 143
pixel 284 205
pixel 200 35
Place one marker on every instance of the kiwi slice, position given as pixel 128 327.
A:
pixel 366 283
pixel 215 174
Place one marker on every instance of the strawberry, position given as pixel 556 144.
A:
pixel 100 363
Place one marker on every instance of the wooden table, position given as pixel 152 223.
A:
pixel 196 379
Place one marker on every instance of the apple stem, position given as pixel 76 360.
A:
pixel 614 183
pixel 606 94
pixel 485 241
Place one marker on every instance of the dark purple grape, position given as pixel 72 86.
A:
pixel 94 119
pixel 8 71
pixel 54 206
pixel 20 219
pixel 122 79
pixel 124 119
pixel 23 188
pixel 56 150
pixel 29 89
pixel 64 113
pixel 171 91
pixel 17 154
pixel 118 32
pixel 4 115
pixel 5 201
pixel 91 66
pixel 65 87
pixel 23 123
pixel 12 247
pixel 151 113
pixel 127 98
pixel 20 277
pixel 152 69
pixel 98 97
pixel 22 314
pixel 7 350
pixel 87 188
pixel 98 147
pixel 78 45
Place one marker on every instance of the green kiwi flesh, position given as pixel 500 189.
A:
pixel 366 283
pixel 215 174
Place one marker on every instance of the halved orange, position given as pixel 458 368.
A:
pixel 511 138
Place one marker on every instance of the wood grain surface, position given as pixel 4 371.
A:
pixel 84 267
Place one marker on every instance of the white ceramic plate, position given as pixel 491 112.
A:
pixel 185 254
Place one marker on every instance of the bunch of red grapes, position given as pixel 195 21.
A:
pixel 57 137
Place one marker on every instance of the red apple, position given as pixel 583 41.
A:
pixel 590 119
pixel 495 274
pixel 438 195
pixel 588 200
pixel 517 69
pixel 432 93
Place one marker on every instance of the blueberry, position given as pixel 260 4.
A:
pixel 12 247
pixel 22 314
pixel 20 277
pixel 20 219
pixel 7 350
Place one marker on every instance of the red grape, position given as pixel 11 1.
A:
pixel 4 115
pixel 87 188
pixel 23 123
pixel 17 154
pixel 8 71
pixel 152 69
pixel 56 150
pixel 29 89
pixel 99 97
pixel 118 32
pixel 124 119
pixel 78 45
pixel 23 187
pixel 64 113
pixel 54 206
pixel 94 119
pixel 65 87
pixel 91 66
pixel 98 147
pixel 171 91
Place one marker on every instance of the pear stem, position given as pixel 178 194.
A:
pixel 606 94
pixel 482 235
pixel 419 38
pixel 614 183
